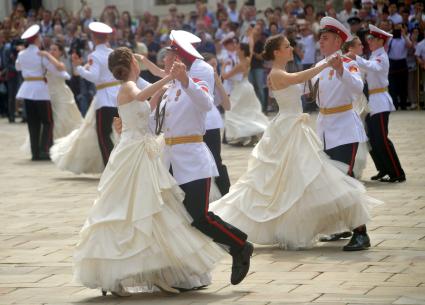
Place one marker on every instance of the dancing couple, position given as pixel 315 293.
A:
pixel 145 228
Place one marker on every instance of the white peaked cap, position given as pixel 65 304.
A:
pixel 183 40
pixel 227 37
pixel 100 27
pixel 332 25
pixel 367 1
pixel 186 35
pixel 31 31
pixel 377 32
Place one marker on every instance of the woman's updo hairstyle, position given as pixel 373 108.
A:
pixel 119 63
pixel 272 44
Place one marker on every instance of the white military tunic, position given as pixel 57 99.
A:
pixel 201 70
pixel 98 73
pixel 32 65
pixel 185 113
pixel 377 68
pixel 334 91
pixel 214 119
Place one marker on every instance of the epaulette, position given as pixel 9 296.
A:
pixel 346 59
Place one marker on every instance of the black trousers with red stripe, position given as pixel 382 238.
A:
pixel 213 141
pixel 383 152
pixel 40 127
pixel 196 202
pixel 344 153
pixel 104 119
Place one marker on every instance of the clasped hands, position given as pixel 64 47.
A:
pixel 178 72
pixel 336 63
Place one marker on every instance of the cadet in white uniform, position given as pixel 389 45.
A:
pixel 380 104
pixel 229 55
pixel 182 119
pixel 97 72
pixel 35 93
pixel 338 125
pixel 213 121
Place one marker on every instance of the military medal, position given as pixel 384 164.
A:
pixel 178 93
pixel 331 74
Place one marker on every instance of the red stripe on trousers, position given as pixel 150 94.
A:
pixel 100 134
pixel 215 223
pixel 50 118
pixel 387 145
pixel 353 159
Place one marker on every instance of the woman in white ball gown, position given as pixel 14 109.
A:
pixel 138 233
pixel 66 116
pixel 291 192
pixel 245 121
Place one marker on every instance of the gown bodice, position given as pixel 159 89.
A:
pixel 135 119
pixel 289 99
pixel 58 90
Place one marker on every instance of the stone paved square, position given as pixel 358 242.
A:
pixel 43 210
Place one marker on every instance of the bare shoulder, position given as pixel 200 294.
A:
pixel 126 93
pixel 277 73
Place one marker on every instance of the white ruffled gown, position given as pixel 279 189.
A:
pixel 291 193
pixel 66 115
pixel 245 118
pixel 79 151
pixel 138 231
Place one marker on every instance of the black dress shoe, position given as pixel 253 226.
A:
pixel 358 242
pixel 402 178
pixel 378 176
pixel 336 236
pixel 241 261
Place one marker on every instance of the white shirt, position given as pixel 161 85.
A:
pixel 397 49
pixel 334 90
pixel 309 47
pixel 377 68
pixel 185 114
pixel 396 18
pixel 420 49
pixel 98 73
pixel 233 15
pixel 343 16
pixel 32 65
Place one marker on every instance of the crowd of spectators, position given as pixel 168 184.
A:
pixel 147 34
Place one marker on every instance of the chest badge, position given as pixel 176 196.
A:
pixel 178 93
